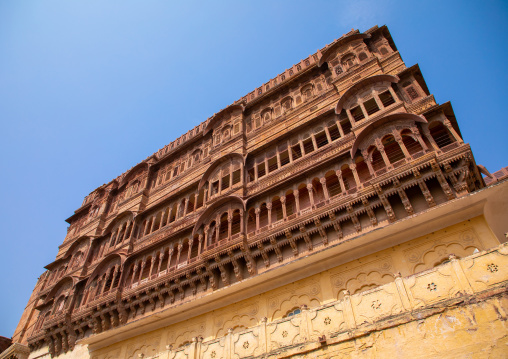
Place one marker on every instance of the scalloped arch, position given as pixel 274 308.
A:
pixel 368 130
pixel 361 84
pixel 329 51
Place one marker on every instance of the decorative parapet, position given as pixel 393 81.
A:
pixel 15 351
pixel 401 301
pixel 422 105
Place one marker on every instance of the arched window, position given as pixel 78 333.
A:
pixel 412 145
pixel 440 134
pixel 292 312
pixel 251 221
pixel 332 183
pixel 392 149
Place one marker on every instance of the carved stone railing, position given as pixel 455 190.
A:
pixel 422 105
pixel 320 155
pixel 404 300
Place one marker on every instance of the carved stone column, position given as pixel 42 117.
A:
pixel 325 188
pixel 217 228
pixel 257 210
pixel 368 160
pixel 341 181
pixel 207 228
pixel 402 145
pixel 352 166
pixel 141 269
pixel 269 207
pixel 170 255
pixel 454 133
pixel 381 149
pixel 134 273
pixel 284 210
pixel 419 138
pixel 311 194
pixel 186 207
pixel 200 244
pixel 151 266
pixel 296 193
pixel 327 133
pixel 191 243
pixel 426 133
pixel 161 259
pixel 180 246
pixel 153 224
pixel 242 222
pixel 230 224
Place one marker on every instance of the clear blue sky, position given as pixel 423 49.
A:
pixel 90 88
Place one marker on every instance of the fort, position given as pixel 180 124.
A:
pixel 334 211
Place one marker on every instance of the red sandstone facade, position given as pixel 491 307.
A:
pixel 345 141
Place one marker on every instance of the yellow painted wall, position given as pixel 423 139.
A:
pixel 374 293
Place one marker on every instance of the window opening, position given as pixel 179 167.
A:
pixel 386 98
pixel 296 151
pixel 334 132
pixel 236 177
pixel 261 170
pixel 357 113
pixel 225 182
pixel 308 146
pixel 284 158
pixel 371 106
pixel 272 164
pixel 321 139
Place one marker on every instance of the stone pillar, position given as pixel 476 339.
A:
pixel 402 145
pixel 269 207
pixel 230 224
pixel 161 259
pixel 177 211
pixel 154 218
pixel 365 113
pixel 242 228
pixel 378 101
pixel 325 188
pixel 311 194
pixel 257 210
pixel 186 207
pixel 394 95
pixel 422 143
pixel 454 133
pixel 284 211
pixel 180 246
pixel 339 126
pixel 350 116
pixel 352 166
pixel 314 144
pixel 151 266
pixel 329 138
pixel 217 228
pixel 170 255
pixel 426 133
pixel 191 243
pixel 207 228
pixel 219 190
pixel 368 160
pixel 134 272
pixel 200 244
pixel 381 149
pixel 297 200
pixel 256 170
pixel 141 269
pixel 341 181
